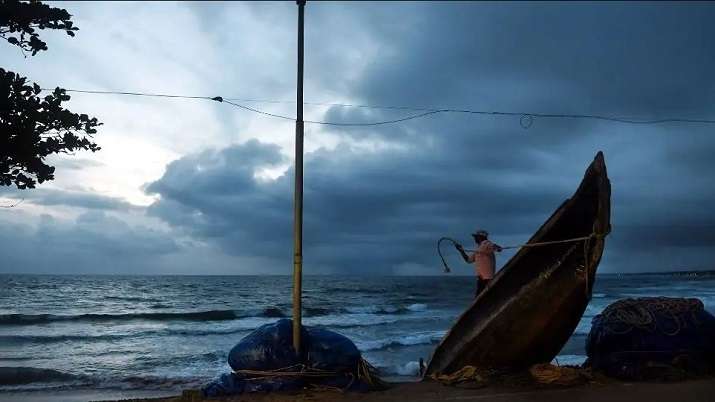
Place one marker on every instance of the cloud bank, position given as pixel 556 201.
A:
pixel 378 198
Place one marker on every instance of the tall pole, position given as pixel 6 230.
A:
pixel 298 200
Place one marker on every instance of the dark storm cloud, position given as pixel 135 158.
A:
pixel 77 199
pixel 214 195
pixel 93 243
pixel 630 60
pixel 380 210
pixel 364 212
pixel 627 59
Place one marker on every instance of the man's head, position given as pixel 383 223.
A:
pixel 480 236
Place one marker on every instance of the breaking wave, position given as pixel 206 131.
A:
pixel 406 340
pixel 34 379
pixel 409 369
pixel 209 315
pixel 387 309
pixel 27 375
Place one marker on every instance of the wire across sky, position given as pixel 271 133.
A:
pixel 526 118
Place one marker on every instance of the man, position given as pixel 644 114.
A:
pixel 483 258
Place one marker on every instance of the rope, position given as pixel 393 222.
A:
pixel 585 239
pixel 364 372
pixel 298 370
pixel 367 373
pixel 465 374
pixel 439 251
pixel 549 374
pixel 546 243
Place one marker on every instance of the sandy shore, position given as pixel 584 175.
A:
pixel 702 390
pixel 82 395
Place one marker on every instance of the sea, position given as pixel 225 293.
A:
pixel 166 333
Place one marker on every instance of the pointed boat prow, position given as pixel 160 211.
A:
pixel 536 300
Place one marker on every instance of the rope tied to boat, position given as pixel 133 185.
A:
pixel 585 239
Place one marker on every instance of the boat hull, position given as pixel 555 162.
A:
pixel 535 302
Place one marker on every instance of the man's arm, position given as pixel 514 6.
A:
pixel 466 257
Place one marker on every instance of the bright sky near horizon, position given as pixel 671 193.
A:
pixel 199 187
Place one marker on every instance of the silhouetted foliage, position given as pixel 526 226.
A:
pixel 19 22
pixel 36 127
pixel 33 127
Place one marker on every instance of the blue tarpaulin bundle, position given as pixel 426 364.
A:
pixel 653 337
pixel 265 361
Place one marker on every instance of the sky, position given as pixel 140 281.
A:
pixel 199 187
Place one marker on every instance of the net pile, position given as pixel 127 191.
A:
pixel 558 375
pixel 265 361
pixel 652 338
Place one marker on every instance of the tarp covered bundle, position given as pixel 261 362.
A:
pixel 653 337
pixel 265 361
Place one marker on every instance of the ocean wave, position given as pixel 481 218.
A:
pixel 360 290
pixel 151 383
pixel 409 369
pixel 372 310
pixel 361 316
pixel 20 339
pixel 27 375
pixel 151 362
pixel 133 299
pixel 584 327
pixel 401 341
pixel 208 315
pixel 352 320
pixel 317 311
pixel 16 379
pixel 416 307
pixel 242 326
pixel 595 308
pixel 272 312
pixel 569 360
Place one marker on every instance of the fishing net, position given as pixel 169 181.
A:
pixel 265 361
pixel 652 338
pixel 547 373
pixel 466 374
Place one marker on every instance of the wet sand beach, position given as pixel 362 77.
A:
pixel 700 390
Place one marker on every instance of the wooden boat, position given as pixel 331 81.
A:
pixel 536 300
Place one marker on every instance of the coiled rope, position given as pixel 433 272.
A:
pixel 439 251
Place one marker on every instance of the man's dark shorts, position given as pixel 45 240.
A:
pixel 481 285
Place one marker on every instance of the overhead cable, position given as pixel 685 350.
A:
pixel 526 118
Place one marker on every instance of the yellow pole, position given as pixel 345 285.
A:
pixel 298 199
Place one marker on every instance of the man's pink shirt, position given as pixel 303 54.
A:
pixel 484 260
